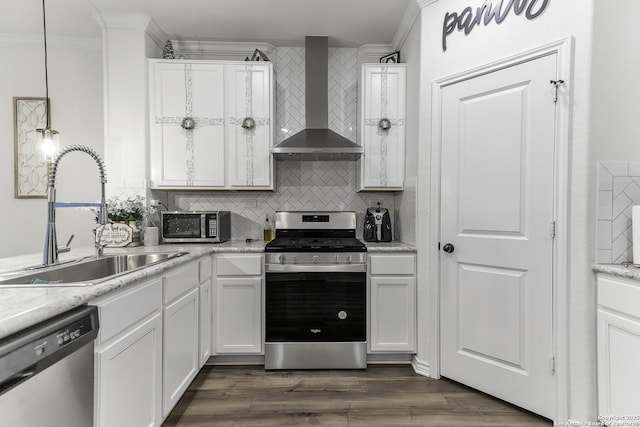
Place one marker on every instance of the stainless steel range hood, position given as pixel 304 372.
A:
pixel 317 141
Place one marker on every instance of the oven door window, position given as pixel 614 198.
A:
pixel 318 307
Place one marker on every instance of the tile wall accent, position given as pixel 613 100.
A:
pixel 618 191
pixel 343 91
pixel 290 102
pixel 300 185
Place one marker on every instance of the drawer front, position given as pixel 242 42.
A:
pixel 619 294
pixel 205 268
pixel 239 265
pixel 393 264
pixel 126 309
pixel 181 281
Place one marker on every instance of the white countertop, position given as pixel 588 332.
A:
pixel 627 271
pixel 21 307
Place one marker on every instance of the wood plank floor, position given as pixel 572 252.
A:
pixel 382 395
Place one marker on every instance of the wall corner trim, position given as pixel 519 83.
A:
pixel 425 3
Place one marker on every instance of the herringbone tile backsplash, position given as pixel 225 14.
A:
pixel 317 185
pixel 618 191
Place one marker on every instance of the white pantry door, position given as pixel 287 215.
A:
pixel 497 190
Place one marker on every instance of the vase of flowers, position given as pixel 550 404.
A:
pixel 130 211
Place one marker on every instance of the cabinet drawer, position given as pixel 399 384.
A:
pixel 392 264
pixel 239 265
pixel 181 281
pixel 125 309
pixel 619 294
pixel 205 268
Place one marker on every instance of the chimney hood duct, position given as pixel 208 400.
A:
pixel 317 141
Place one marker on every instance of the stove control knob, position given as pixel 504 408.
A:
pixel 316 259
pixel 282 259
pixel 336 258
pixel 349 258
pixel 295 259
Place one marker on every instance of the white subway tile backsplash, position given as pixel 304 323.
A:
pixel 605 205
pixel 619 190
pixel 604 235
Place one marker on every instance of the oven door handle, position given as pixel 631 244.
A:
pixel 313 268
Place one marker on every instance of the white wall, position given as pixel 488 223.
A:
pixel 615 86
pixel 405 201
pixel 75 89
pixel 487 44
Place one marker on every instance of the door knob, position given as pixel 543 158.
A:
pixel 448 248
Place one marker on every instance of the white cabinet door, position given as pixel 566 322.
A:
pixel 186 124
pixel 393 314
pixel 249 119
pixel 238 315
pixel 206 322
pixel 382 126
pixel 129 378
pixel 392 303
pixel 618 347
pixel 180 361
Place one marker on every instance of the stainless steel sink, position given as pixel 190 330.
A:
pixel 87 271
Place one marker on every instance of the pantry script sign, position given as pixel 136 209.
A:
pixel 497 11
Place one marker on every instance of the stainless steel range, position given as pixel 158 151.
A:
pixel 315 293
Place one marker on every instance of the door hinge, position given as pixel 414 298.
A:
pixel 556 84
pixel 553 365
pixel 552 230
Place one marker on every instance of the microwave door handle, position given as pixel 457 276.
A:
pixel 203 225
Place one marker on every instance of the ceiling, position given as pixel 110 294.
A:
pixel 280 22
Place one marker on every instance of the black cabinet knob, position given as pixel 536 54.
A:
pixel 448 248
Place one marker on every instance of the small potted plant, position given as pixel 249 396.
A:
pixel 130 211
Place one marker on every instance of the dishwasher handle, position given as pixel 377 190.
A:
pixel 17 378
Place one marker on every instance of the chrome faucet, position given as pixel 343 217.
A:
pixel 51 250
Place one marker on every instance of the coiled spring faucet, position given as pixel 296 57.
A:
pixel 51 250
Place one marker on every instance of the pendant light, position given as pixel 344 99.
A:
pixel 48 144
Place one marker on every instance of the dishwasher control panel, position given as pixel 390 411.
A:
pixel 34 349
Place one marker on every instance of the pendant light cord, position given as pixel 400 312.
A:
pixel 46 71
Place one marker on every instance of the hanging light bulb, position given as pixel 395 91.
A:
pixel 49 144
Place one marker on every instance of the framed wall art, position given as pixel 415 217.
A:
pixel 392 58
pixel 31 179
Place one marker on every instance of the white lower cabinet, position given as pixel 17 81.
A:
pixel 238 304
pixel 392 303
pixel 618 349
pixel 154 336
pixel 206 312
pixel 181 360
pixel 206 322
pixel 128 358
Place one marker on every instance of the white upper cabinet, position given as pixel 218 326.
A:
pixel 249 114
pixel 382 127
pixel 197 113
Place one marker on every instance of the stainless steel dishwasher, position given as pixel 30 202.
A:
pixel 46 372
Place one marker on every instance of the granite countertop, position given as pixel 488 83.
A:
pixel 393 246
pixel 21 307
pixel 627 271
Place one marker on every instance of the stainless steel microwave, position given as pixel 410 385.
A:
pixel 195 227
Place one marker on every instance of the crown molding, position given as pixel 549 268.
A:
pixel 56 42
pixel 198 49
pixel 425 3
pixel 156 33
pixel 369 53
pixel 411 14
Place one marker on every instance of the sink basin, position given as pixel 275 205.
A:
pixel 87 271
